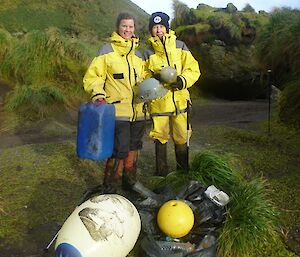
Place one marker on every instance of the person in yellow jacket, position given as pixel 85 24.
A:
pixel 111 78
pixel 169 113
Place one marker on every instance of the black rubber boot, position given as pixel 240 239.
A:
pixel 182 162
pixel 161 159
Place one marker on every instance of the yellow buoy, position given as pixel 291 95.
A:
pixel 175 218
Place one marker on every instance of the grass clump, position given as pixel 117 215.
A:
pixel 210 168
pixel 289 104
pixel 47 69
pixel 251 220
pixel 251 217
pixel 5 42
pixel 32 102
pixel 43 56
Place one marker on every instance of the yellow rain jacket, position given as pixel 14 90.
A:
pixel 174 53
pixel 113 74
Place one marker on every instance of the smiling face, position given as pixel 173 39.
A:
pixel 126 28
pixel 158 30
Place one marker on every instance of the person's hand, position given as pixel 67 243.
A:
pixel 99 101
pixel 178 84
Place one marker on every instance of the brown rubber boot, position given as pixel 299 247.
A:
pixel 130 168
pixel 113 173
pixel 161 159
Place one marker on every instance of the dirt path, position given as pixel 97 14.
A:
pixel 238 114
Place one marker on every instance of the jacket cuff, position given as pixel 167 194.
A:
pixel 97 96
pixel 180 83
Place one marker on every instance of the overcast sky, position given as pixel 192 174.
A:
pixel 151 6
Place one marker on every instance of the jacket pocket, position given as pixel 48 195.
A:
pixel 118 75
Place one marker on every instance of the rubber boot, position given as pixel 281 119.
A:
pixel 161 159
pixel 182 162
pixel 112 174
pixel 130 168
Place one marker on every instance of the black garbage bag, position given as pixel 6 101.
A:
pixel 202 239
pixel 193 191
pixel 205 209
pixel 149 226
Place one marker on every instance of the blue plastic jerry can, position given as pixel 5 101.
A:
pixel 95 131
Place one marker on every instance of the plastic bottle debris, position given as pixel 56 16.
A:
pixel 141 189
pixel 209 207
pixel 207 242
pixel 176 246
pixel 217 196
pixel 155 248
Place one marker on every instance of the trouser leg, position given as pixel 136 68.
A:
pixel 130 168
pixel 181 152
pixel 160 134
pixel 137 131
pixel 161 158
pixel 113 172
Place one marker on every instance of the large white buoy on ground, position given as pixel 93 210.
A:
pixel 105 225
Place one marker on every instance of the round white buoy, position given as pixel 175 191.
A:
pixel 168 74
pixel 105 225
pixel 149 89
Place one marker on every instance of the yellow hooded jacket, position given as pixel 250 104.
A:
pixel 174 53
pixel 113 74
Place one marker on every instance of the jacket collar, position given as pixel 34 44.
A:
pixel 168 40
pixel 123 46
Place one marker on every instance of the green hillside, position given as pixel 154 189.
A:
pixel 46 47
pixel 86 19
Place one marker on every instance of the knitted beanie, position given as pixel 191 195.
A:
pixel 159 18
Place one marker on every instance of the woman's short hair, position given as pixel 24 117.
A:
pixel 124 16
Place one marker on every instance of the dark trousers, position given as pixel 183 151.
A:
pixel 128 137
pixel 122 164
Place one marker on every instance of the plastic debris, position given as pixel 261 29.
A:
pixel 209 207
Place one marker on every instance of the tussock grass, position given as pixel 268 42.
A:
pixel 289 105
pixel 251 217
pixel 47 68
pixel 5 42
pixel 210 168
pixel 43 56
pixel 33 102
pixel 251 220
